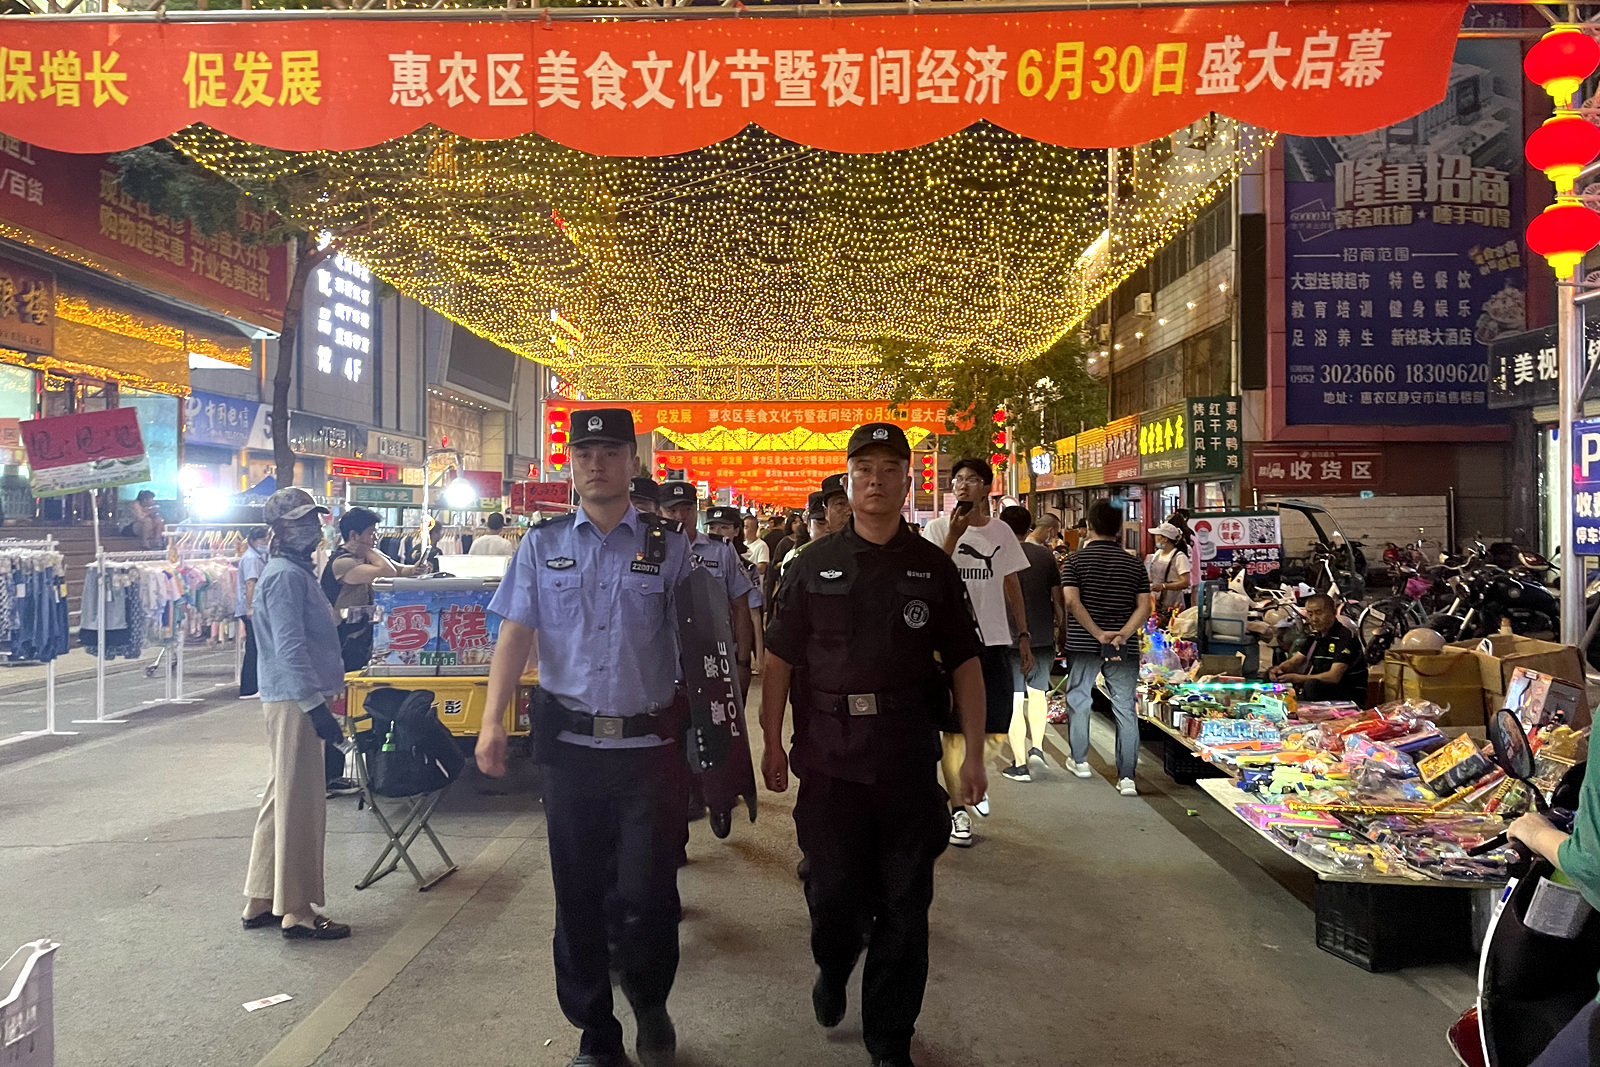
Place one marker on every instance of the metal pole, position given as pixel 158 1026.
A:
pixel 103 592
pixel 1569 352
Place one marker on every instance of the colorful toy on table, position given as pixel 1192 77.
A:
pixel 1273 816
pixel 1219 731
pixel 1326 710
pixel 1457 765
pixel 1343 851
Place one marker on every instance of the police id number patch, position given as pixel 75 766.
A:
pixel 915 614
pixel 640 566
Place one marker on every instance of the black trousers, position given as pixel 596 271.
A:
pixel 616 827
pixel 872 850
pixel 247 671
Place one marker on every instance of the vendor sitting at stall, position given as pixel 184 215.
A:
pixel 1329 666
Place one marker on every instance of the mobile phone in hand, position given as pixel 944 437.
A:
pixel 963 506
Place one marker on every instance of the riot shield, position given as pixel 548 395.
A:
pixel 717 743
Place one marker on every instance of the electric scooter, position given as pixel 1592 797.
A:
pixel 1530 983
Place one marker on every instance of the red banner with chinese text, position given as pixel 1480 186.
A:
pixel 1089 79
pixel 789 468
pixel 769 416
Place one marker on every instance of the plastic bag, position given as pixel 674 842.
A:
pixel 1186 624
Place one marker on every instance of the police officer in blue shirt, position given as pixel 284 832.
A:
pixel 596 590
pixel 678 503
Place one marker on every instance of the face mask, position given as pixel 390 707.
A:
pixel 300 537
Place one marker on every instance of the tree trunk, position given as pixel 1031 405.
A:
pixel 282 454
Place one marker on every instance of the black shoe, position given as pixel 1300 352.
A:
pixel 828 1001
pixel 343 787
pixel 1018 774
pixel 599 1059
pixel 266 918
pixel 657 1044
pixel 321 929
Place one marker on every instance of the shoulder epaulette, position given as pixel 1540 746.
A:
pixel 551 520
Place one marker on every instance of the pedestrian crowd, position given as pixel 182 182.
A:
pixel 884 651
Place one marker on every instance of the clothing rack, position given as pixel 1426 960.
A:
pixel 46 544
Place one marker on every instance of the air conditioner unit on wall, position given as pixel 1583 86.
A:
pixel 1144 304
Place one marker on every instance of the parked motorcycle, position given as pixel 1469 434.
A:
pixel 1533 978
pixel 1485 595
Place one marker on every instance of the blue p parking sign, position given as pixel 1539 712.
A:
pixel 1586 487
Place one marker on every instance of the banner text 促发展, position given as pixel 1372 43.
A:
pixel 1093 79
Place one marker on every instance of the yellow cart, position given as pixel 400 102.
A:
pixel 459 699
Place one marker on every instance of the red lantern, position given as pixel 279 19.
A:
pixel 1000 415
pixel 1563 146
pixel 558 459
pixel 997 460
pixel 1560 61
pixel 1564 233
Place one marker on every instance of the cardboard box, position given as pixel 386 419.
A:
pixel 1500 654
pixel 1450 679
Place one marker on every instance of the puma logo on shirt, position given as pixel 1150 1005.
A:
pixel 972 573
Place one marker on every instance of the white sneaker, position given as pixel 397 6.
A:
pixel 1081 769
pixel 961 828
pixel 1126 787
pixel 982 806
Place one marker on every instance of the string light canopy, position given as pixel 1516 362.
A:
pixel 755 268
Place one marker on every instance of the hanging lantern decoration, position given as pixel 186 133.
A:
pixel 997 460
pixel 1563 146
pixel 1560 62
pixel 1563 234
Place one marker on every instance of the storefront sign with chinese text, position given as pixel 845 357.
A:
pixel 1227 540
pixel 1122 449
pixel 1091 445
pixel 27 308
pixel 1089 79
pixel 1164 442
pixel 394 448
pixel 1215 442
pixel 1315 470
pixel 1586 487
pixel 390 495
pixel 226 421
pixel 1404 255
pixel 76 200
pixel 1522 368
pixel 313 435
pixel 92 450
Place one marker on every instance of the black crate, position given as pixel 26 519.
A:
pixel 1182 765
pixel 1388 927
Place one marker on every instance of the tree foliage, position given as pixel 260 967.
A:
pixel 1045 398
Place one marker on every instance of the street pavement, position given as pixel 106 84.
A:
pixel 1084 928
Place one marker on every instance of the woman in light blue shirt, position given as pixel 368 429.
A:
pixel 251 563
pixel 300 666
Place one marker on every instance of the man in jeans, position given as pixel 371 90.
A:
pixel 1108 601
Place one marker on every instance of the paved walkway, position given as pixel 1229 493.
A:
pixel 1085 928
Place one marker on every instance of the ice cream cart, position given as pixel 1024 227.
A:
pixel 438 634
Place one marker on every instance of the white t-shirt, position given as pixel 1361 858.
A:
pixel 758 552
pixel 985 555
pixel 491 545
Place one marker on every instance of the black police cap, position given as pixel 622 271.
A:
pixel 676 493
pixel 833 483
pixel 613 425
pixel 645 487
pixel 879 433
pixel 730 516
pixel 816 506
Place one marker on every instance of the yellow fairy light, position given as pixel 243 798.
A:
pixel 754 268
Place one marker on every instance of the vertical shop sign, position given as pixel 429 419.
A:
pixel 27 308
pixel 1122 449
pixel 342 314
pixel 93 450
pixel 1214 438
pixel 1224 540
pixel 1164 442
pixel 1092 457
pixel 1404 255
pixel 1586 487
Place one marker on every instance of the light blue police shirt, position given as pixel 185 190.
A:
pixel 721 560
pixel 608 632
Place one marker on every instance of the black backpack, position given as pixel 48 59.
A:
pixel 331 586
pixel 408 750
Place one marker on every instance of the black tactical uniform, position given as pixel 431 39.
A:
pixel 874 627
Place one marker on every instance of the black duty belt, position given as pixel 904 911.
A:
pixel 861 705
pixel 613 727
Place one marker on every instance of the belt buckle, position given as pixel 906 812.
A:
pixel 607 726
pixel 860 704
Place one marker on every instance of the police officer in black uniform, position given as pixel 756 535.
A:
pixel 877 618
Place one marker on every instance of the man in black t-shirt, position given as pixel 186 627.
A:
pixel 1330 665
